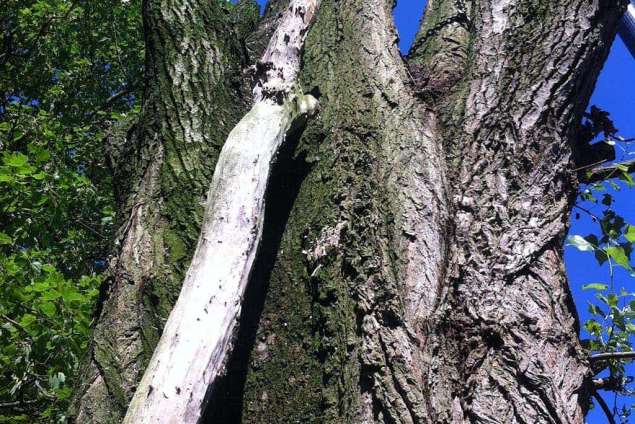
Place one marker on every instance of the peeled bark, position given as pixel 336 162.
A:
pixel 197 336
pixel 411 269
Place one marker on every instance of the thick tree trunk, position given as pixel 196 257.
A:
pixel 411 270
pixel 503 343
pixel 163 170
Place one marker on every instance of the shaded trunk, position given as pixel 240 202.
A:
pixel 163 169
pixel 412 262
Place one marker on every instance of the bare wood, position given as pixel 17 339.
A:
pixel 197 336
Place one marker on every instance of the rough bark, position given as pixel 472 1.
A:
pixel 509 83
pixel 503 343
pixel 163 169
pixel 411 270
pixel 373 202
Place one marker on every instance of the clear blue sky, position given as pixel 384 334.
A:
pixel 615 92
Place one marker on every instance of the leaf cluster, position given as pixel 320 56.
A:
pixel 69 69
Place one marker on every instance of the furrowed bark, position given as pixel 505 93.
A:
pixel 419 276
pixel 365 238
pixel 197 336
pixel 163 169
pixel 503 344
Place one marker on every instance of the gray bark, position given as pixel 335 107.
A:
pixel 197 337
pixel 163 169
pixel 412 268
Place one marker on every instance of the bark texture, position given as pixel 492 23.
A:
pixel 503 344
pixel 373 202
pixel 197 337
pixel 163 169
pixel 412 262
pixel 508 82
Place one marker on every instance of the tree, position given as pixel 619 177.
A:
pixel 411 263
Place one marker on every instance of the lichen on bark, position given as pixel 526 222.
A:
pixel 346 249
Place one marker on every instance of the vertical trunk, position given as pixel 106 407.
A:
pixel 193 81
pixel 503 343
pixel 363 250
pixel 412 263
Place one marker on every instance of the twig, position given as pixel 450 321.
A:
pixel 14 323
pixel 605 407
pixel 611 384
pixel 611 355
pixel 604 173
pixel 588 212
pixel 17 404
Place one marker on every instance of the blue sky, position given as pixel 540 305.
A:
pixel 615 92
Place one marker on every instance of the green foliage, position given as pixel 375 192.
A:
pixel 612 324
pixel 68 69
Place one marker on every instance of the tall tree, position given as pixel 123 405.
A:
pixel 411 265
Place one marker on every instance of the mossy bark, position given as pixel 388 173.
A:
pixel 194 95
pixel 313 360
pixel 412 268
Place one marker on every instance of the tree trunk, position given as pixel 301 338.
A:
pixel 411 268
pixel 197 337
pixel 193 98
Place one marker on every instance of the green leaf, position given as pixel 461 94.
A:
pixel 626 177
pixel 16 159
pixel 27 320
pixel 607 200
pixel 630 233
pixel 39 176
pixel 595 286
pixel 5 239
pixel 595 310
pixel 580 243
pixel 619 256
pixel 612 300
pixel 593 327
pixel 48 309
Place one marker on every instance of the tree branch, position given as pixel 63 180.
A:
pixel 610 384
pixel 605 407
pixel 612 356
pixel 604 173
pixel 18 404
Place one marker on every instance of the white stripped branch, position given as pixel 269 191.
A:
pixel 197 337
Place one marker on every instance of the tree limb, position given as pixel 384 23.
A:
pixel 197 337
pixel 605 407
pixel 595 175
pixel 612 356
